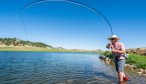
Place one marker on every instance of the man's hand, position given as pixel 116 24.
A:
pixel 108 46
pixel 115 51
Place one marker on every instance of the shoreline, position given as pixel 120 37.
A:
pixel 37 49
pixel 135 63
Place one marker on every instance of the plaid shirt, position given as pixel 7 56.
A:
pixel 118 46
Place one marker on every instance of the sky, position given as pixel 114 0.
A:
pixel 68 25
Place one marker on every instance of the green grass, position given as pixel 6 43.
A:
pixel 138 60
pixel 107 54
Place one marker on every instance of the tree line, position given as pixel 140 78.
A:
pixel 19 42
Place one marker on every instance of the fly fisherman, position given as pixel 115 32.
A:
pixel 118 51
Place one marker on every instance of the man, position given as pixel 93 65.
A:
pixel 118 50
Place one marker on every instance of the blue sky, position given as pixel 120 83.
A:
pixel 67 25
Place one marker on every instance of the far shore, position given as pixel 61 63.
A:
pixel 38 49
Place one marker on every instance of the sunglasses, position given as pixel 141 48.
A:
pixel 113 39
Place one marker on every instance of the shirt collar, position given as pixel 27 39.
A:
pixel 115 43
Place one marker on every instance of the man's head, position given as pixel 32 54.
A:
pixel 113 38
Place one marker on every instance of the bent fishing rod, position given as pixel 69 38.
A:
pixel 68 1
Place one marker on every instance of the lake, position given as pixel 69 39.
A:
pixel 59 68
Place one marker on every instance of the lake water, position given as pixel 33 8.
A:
pixel 59 68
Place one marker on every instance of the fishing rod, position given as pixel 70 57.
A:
pixel 68 1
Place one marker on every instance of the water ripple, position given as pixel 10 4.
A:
pixel 58 68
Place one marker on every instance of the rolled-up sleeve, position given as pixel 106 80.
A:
pixel 122 47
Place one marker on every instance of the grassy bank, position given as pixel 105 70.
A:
pixel 37 49
pixel 138 60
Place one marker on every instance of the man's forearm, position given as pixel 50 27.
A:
pixel 121 52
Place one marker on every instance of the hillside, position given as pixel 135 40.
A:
pixel 16 44
pixel 140 51
pixel 20 42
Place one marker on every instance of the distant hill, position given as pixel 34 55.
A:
pixel 20 42
pixel 16 44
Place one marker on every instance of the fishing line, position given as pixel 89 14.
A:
pixel 68 1
pixel 24 27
